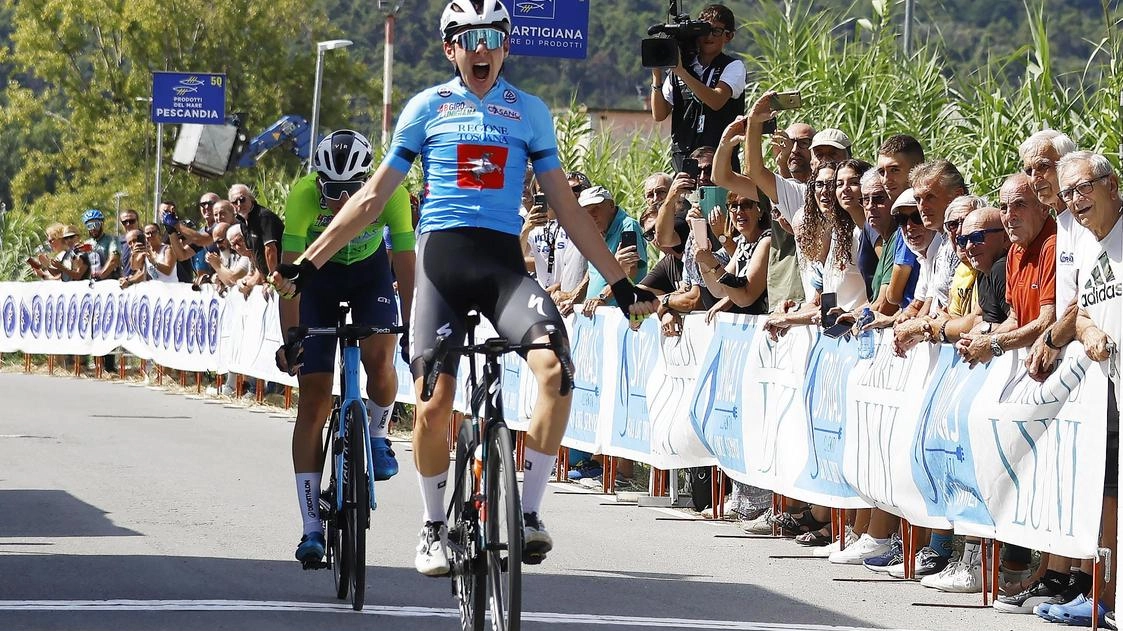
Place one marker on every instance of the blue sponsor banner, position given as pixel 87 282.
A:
pixel 830 365
pixel 587 344
pixel 550 28
pixel 943 466
pixel 718 406
pixel 631 419
pixel 188 97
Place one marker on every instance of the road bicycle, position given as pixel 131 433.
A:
pixel 346 504
pixel 485 532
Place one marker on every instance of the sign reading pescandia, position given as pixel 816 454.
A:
pixel 188 97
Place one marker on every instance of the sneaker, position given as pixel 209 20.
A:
pixel 1066 596
pixel 432 549
pixel 894 556
pixel 226 390
pixel 866 547
pixel 382 453
pixel 536 541
pixel 959 577
pixel 762 525
pixel 928 561
pixel 311 548
pixel 1109 619
pixel 827 550
pixel 586 469
pixel 1011 582
pixel 1027 599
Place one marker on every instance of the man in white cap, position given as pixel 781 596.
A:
pixel 829 145
pixel 614 224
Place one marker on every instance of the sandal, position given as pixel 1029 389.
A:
pixel 814 539
pixel 792 525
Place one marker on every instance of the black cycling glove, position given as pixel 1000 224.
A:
pixel 300 274
pixel 403 343
pixel 627 294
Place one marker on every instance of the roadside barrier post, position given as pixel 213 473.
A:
pixel 288 397
pixel 259 390
pixel 77 365
pixel 26 362
pixel 561 469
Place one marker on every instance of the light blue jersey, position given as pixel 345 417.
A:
pixel 474 153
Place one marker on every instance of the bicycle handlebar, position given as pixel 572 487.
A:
pixel 493 348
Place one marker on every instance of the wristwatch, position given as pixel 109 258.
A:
pixel 944 332
pixel 1049 340
pixel 721 238
pixel 665 301
pixel 995 347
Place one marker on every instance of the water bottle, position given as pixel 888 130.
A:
pixel 867 345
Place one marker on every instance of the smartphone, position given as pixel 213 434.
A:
pixel 827 302
pixel 540 199
pixel 698 229
pixel 786 101
pixel 711 198
pixel 691 168
pixel 837 330
pixel 628 239
pixel 768 127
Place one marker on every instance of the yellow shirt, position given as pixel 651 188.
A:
pixel 962 298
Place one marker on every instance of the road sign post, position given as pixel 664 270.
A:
pixel 184 97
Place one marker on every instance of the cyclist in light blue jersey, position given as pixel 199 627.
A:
pixel 475 135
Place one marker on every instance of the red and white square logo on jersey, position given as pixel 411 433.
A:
pixel 480 166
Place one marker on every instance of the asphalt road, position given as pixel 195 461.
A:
pixel 128 508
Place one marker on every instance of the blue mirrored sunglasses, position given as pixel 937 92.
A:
pixel 470 39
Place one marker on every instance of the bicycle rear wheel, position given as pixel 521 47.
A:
pixel 468 577
pixel 356 504
pixel 504 526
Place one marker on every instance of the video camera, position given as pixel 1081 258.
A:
pixel 673 40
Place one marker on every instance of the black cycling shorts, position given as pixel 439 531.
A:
pixel 366 284
pixel 465 269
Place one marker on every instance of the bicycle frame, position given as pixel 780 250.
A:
pixel 349 388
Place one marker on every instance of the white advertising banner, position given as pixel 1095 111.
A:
pixel 986 451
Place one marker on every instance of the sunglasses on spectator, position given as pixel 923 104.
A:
pixel 649 235
pixel 206 204
pixel 953 225
pixel 803 143
pixel 335 190
pixel 128 222
pixel 903 219
pixel 490 37
pixel 975 237
pixel 1042 165
pixel 220 241
pixel 745 204
pixel 870 200
pixel 239 200
pixel 1084 188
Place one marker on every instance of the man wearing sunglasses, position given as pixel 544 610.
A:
pixel 261 228
pixel 1031 273
pixel 704 94
pixel 358 273
pixel 475 135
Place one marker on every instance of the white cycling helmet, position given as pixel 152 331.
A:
pixel 461 13
pixel 344 155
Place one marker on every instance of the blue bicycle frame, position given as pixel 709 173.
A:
pixel 349 386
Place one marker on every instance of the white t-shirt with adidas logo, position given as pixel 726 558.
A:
pixel 1100 280
pixel 1070 234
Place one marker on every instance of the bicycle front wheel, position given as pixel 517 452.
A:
pixel 468 576
pixel 504 528
pixel 356 504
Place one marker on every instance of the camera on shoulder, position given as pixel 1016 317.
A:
pixel 671 41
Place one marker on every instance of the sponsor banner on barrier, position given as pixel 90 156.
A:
pixel 986 451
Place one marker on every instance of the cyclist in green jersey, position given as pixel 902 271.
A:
pixel 359 273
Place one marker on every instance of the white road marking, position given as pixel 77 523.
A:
pixel 407 612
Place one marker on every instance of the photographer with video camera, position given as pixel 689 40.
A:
pixel 705 89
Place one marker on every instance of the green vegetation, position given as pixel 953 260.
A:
pixel 981 78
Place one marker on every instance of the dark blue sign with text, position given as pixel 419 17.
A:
pixel 550 28
pixel 188 97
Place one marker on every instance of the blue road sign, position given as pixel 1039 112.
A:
pixel 550 28
pixel 188 97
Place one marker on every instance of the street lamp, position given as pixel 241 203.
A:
pixel 159 151
pixel 117 222
pixel 331 44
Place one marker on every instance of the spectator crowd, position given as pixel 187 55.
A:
pixel 805 234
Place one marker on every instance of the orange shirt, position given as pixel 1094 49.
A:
pixel 1031 274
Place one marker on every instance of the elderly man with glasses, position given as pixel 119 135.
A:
pixel 262 229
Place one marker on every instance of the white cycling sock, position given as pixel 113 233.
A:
pixel 308 494
pixel 537 468
pixel 433 495
pixel 379 419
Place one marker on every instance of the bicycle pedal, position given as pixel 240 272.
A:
pixel 314 565
pixel 529 558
